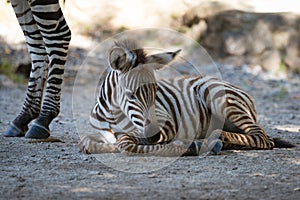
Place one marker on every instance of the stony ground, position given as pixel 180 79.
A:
pixel 40 170
pixel 44 170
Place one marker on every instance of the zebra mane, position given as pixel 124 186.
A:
pixel 133 46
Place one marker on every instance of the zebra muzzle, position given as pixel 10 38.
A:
pixel 151 129
pixel 147 122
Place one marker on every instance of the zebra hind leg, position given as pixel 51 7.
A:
pixel 47 35
pixel 240 141
pixel 39 69
pixel 252 137
pixel 56 36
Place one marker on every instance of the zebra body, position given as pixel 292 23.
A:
pixel 47 37
pixel 135 113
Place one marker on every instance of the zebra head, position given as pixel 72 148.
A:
pixel 137 84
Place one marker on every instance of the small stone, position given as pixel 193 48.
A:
pixel 235 61
pixel 281 39
pixel 292 116
pixel 297 189
pixel 260 38
pixel 270 60
pixel 213 41
pixel 292 58
pixel 197 31
pixel 5 81
pixel 153 175
pixel 100 174
pixel 234 43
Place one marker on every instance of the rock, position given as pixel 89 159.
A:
pixel 281 38
pixel 235 61
pixel 292 53
pixel 252 60
pixel 203 11
pixel 298 25
pixel 197 31
pixel 293 63
pixel 189 19
pixel 260 39
pixel 274 21
pixel 235 43
pixel 264 39
pixel 5 81
pixel 212 41
pixel 271 60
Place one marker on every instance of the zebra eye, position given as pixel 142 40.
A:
pixel 130 95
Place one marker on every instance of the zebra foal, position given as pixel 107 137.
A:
pixel 135 113
pixel 47 37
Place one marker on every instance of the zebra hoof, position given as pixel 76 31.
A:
pixel 14 131
pixel 217 148
pixel 37 131
pixel 194 149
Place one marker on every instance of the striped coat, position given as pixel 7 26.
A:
pixel 47 37
pixel 135 113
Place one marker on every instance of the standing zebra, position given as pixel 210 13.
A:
pixel 47 37
pixel 135 113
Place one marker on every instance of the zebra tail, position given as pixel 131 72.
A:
pixel 280 143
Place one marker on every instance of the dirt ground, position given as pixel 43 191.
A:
pixel 43 170
pixel 33 170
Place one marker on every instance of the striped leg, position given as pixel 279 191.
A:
pixel 252 136
pixel 241 130
pixel 39 68
pixel 232 140
pixel 133 146
pixel 56 36
pixel 47 36
pixel 96 143
pixel 126 143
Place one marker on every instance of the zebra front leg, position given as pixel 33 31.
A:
pixel 95 143
pixel 131 145
pixel 39 69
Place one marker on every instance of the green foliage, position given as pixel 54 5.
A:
pixel 7 69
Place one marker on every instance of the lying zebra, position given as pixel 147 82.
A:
pixel 135 113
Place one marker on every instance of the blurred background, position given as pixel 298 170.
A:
pixel 259 35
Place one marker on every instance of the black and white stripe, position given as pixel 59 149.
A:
pixel 47 37
pixel 179 116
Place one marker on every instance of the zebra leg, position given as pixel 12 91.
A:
pixel 56 36
pixel 240 130
pixel 233 140
pixel 96 143
pixel 131 146
pixel 39 69
pixel 250 136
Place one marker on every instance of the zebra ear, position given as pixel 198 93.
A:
pixel 117 58
pixel 161 59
